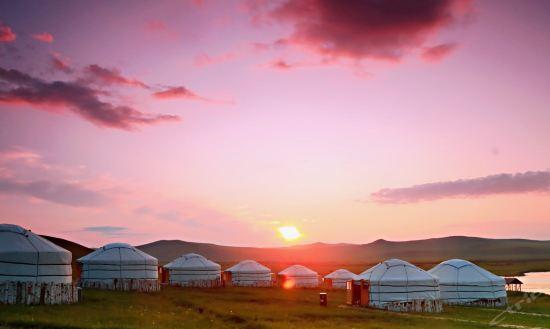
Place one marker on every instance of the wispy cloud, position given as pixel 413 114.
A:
pixel 527 182
pixel 43 37
pixel 112 76
pixel 439 52
pixel 74 96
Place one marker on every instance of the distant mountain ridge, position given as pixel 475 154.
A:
pixel 423 251
pixel 428 250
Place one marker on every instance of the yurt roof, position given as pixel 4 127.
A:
pixel 18 245
pixel 397 271
pixel 192 262
pixel 297 270
pixel 249 266
pixel 341 274
pixel 118 253
pixel 459 271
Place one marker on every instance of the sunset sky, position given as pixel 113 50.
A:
pixel 222 121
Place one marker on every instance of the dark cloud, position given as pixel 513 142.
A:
pixel 77 97
pixel 176 92
pixel 111 77
pixel 6 34
pixel 359 29
pixel 437 53
pixel 70 194
pixel 531 181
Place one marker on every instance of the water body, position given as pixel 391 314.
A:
pixel 536 282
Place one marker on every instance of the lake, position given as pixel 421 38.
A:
pixel 536 282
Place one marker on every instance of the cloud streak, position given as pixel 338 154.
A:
pixel 43 37
pixel 70 194
pixel 77 97
pixel 437 53
pixel 527 182
pixel 112 77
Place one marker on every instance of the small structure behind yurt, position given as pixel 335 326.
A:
pixel 248 273
pixel 338 279
pixel 298 276
pixel 119 266
pixel 464 283
pixel 513 284
pixel 33 270
pixel 193 270
pixel 396 285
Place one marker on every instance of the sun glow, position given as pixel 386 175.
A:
pixel 289 233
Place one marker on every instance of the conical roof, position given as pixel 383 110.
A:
pixel 192 262
pixel 342 274
pixel 397 271
pixel 248 266
pixel 297 270
pixel 463 272
pixel 20 249
pixel 118 253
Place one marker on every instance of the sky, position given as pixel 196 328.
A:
pixel 223 121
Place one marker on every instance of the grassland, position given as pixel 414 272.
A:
pixel 251 308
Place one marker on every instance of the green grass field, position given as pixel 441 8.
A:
pixel 251 308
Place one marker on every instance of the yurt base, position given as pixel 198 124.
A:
pixel 498 302
pixel 418 306
pixel 32 293
pixel 123 285
pixel 197 284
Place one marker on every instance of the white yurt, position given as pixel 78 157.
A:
pixel 119 266
pixel 338 278
pixel 397 285
pixel 40 268
pixel 298 276
pixel 465 283
pixel 193 270
pixel 248 273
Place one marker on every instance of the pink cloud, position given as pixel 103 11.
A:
pixel 180 92
pixel 357 30
pixel 44 37
pixel 205 59
pixel 112 76
pixel 6 34
pixel 61 63
pixel 437 53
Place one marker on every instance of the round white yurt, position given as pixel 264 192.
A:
pixel 193 270
pixel 338 278
pixel 397 285
pixel 40 268
pixel 248 273
pixel 119 266
pixel 298 276
pixel 465 283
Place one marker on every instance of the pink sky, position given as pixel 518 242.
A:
pixel 221 121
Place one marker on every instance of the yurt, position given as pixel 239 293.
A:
pixel 338 279
pixel 397 285
pixel 33 270
pixel 298 276
pixel 465 283
pixel 193 270
pixel 248 273
pixel 119 266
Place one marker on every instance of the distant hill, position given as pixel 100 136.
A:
pixel 429 250
pixel 76 249
pixel 421 251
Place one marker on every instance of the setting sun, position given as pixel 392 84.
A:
pixel 289 232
